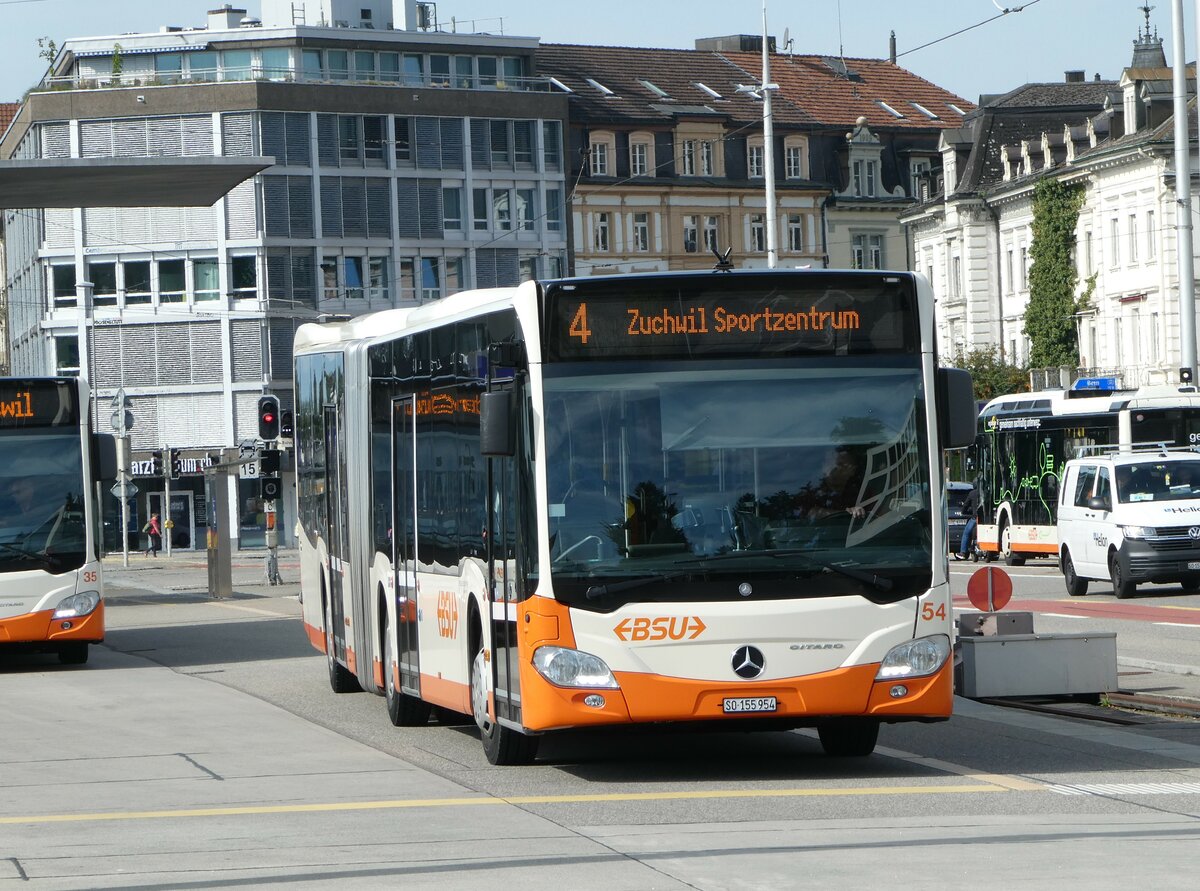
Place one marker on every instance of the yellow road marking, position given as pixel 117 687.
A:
pixel 513 800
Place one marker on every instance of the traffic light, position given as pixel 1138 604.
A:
pixel 268 418
pixel 286 426
pixel 173 463
pixel 269 487
pixel 268 463
pixel 156 463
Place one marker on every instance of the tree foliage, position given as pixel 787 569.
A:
pixel 991 374
pixel 1050 316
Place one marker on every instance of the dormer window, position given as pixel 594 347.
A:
pixel 864 179
pixel 641 154
pixel 601 148
pixel 755 158
pixel 794 151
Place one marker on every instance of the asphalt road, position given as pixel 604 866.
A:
pixel 202 748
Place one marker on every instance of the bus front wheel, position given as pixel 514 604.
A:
pixel 849 737
pixel 73 653
pixel 502 745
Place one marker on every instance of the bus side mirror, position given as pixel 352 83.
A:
pixel 957 413
pixel 105 450
pixel 497 433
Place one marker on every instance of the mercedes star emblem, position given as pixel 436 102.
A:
pixel 748 662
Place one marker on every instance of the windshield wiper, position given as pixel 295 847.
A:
pixel 878 582
pixel 595 592
pixel 22 552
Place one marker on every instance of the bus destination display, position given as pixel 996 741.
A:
pixel 36 403
pixel 609 325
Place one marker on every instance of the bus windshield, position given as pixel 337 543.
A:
pixel 41 500
pixel 716 480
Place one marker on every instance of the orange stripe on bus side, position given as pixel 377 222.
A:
pixel 450 694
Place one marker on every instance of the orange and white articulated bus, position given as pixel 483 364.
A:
pixel 1026 439
pixel 51 591
pixel 691 497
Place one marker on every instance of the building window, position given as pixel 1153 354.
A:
pixel 1008 271
pixel 868 253
pixel 691 235
pixel 172 285
pixel 1115 238
pixel 377 279
pixel 641 232
pixel 639 159
pixel 103 277
pixel 373 138
pixel 864 179
pixel 501 143
pixel 352 277
pixel 403 127
pixel 600 226
pixel 528 268
pixel 1133 238
pixel 501 210
pixel 452 209
pixel 1154 357
pixel 206 279
pixel 329 280
pixel 758 233
pixel 348 139
pixel 553 210
pixel 480 210
pixel 706 159
pixel 243 277
pixel 1151 236
pixel 431 282
pixel 1088 260
pixel 137 281
pixel 688 158
pixel 526 209
pixel 66 355
pixel 455 280
pixel 63 280
pixel 795 233
pixel 599 156
pixel 794 162
pixel 954 284
pixel 916 169
pixel 1023 268
pixel 710 234
pixel 754 161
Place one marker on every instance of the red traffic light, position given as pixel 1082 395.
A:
pixel 268 418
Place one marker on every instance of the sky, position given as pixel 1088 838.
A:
pixel 1037 43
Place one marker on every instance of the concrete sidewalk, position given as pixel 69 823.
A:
pixel 187 572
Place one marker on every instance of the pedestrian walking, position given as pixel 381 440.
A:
pixel 153 532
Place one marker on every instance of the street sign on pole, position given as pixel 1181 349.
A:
pixel 124 490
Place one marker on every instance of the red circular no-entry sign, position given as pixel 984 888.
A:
pixel 991 583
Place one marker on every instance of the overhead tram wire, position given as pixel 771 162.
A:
pixel 1003 12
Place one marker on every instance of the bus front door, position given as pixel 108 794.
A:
pixel 404 542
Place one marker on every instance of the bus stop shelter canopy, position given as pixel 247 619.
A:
pixel 123 182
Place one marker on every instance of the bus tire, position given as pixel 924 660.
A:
pixel 340 678
pixel 1190 583
pixel 403 710
pixel 849 737
pixel 502 745
pixel 1010 559
pixel 1122 586
pixel 73 653
pixel 1076 586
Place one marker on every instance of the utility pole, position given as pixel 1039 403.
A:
pixel 769 147
pixel 1183 200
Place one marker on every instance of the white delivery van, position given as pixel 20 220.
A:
pixel 1130 517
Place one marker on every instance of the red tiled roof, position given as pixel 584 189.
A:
pixel 813 84
pixel 8 111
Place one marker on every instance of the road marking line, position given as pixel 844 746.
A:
pixel 250 609
pixel 512 800
pixel 1014 784
pixel 1065 616
pixel 1176 624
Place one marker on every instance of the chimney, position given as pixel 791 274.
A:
pixel 225 19
pixel 1077 76
pixel 892 48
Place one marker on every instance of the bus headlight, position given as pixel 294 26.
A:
pixel 572 668
pixel 79 604
pixel 1137 532
pixel 914 658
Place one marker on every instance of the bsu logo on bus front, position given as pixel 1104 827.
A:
pixel 660 628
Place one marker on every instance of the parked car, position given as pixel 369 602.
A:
pixel 1128 518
